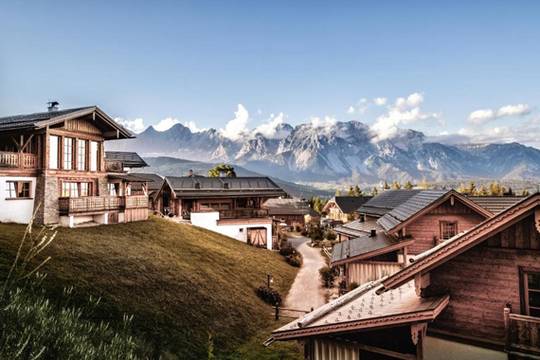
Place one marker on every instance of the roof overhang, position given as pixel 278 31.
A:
pixel 377 252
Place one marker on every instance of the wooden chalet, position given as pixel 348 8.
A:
pixel 228 205
pixel 474 296
pixel 419 223
pixel 292 212
pixel 344 208
pixel 54 164
pixel 154 183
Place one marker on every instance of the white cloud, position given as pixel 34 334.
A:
pixel 360 107
pixel 166 124
pixel 406 110
pixel 192 126
pixel 351 110
pixel 380 101
pixel 135 125
pixel 273 129
pixel 325 122
pixel 237 127
pixel 482 116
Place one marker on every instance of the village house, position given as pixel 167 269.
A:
pixel 54 164
pixel 421 222
pixel 344 208
pixel 293 212
pixel 474 296
pixel 228 205
pixel 154 183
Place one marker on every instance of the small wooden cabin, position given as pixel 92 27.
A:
pixel 293 212
pixel 344 208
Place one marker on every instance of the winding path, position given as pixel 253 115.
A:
pixel 306 291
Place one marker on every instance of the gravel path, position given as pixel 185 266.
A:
pixel 306 291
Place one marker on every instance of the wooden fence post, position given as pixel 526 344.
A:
pixel 507 329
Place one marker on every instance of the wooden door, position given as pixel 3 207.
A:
pixel 256 237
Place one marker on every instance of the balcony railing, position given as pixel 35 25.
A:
pixel 96 204
pixel 243 213
pixel 522 333
pixel 18 160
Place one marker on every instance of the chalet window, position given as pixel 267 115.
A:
pixel 531 293
pixel 94 156
pixel 114 189
pixel 18 189
pixel 448 230
pixel 70 189
pixel 85 189
pixel 53 152
pixel 68 154
pixel 81 155
pixel 197 185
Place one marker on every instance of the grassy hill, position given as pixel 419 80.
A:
pixel 182 284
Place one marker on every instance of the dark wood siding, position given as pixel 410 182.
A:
pixel 483 280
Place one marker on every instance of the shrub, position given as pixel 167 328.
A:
pixel 287 250
pixel 294 260
pixel 304 232
pixel 353 286
pixel 269 295
pixel 316 233
pixel 298 228
pixel 330 235
pixel 328 276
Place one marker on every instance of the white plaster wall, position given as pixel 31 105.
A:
pixel 439 349
pixel 209 220
pixel 17 211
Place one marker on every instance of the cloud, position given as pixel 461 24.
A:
pixel 166 124
pixel 273 128
pixel 380 101
pixel 360 107
pixel 351 110
pixel 135 125
pixel 192 126
pixel 406 110
pixel 482 116
pixel 237 127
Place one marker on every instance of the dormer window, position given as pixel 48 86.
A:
pixel 197 185
pixel 225 185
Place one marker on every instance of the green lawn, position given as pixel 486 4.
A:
pixel 182 284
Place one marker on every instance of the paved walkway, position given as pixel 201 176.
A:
pixel 306 291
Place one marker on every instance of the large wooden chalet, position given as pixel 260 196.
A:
pixel 228 205
pixel 474 296
pixel 54 164
pixel 420 222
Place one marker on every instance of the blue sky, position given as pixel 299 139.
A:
pixel 472 68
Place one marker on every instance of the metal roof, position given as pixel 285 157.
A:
pixel 287 207
pixel 361 245
pixel 128 159
pixel 223 186
pixel 496 204
pixel 386 201
pixel 410 207
pixel 358 227
pixel 154 181
pixel 348 204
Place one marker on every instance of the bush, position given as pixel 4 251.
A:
pixel 294 260
pixel 316 233
pixel 330 235
pixel 353 286
pixel 269 295
pixel 304 232
pixel 298 228
pixel 328 276
pixel 287 250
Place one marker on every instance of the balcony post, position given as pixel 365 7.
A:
pixel 507 327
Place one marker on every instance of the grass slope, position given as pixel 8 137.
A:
pixel 181 283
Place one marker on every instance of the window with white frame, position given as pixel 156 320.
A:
pixel 18 190
pixel 53 152
pixel 70 189
pixel 81 155
pixel 68 154
pixel 94 156
pixel 85 189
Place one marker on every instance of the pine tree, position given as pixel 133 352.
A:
pixel 386 186
pixel 408 185
pixel 351 191
pixel 525 192
pixel 357 191
pixel 374 191
pixel 396 185
pixel 483 191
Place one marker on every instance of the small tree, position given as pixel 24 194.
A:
pixel 351 191
pixel 386 186
pixel 525 192
pixel 408 185
pixel 328 276
pixel 396 185
pixel 374 191
pixel 357 191
pixel 222 170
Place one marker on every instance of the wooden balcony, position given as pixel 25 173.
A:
pixel 522 333
pixel 243 213
pixel 18 160
pixel 97 204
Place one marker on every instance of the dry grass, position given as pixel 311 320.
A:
pixel 180 283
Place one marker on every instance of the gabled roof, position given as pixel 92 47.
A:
pixel 362 309
pixel 154 181
pixel 386 201
pixel 421 203
pixel 358 227
pixel 128 159
pixel 460 243
pixel 217 186
pixel 349 204
pixel 287 207
pixel 44 119
pixel 365 247
pixel 496 204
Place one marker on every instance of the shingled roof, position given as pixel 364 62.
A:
pixel 386 201
pixel 128 159
pixel 349 204
pixel 154 181
pixel 365 246
pixel 287 207
pixel 421 201
pixel 218 186
pixel 358 227
pixel 496 204
pixel 44 119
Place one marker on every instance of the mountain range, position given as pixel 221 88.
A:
pixel 340 151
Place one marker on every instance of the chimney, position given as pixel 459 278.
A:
pixel 373 233
pixel 190 172
pixel 53 106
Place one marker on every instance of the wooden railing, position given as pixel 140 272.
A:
pixel 91 204
pixel 136 201
pixel 522 333
pixel 243 213
pixel 18 160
